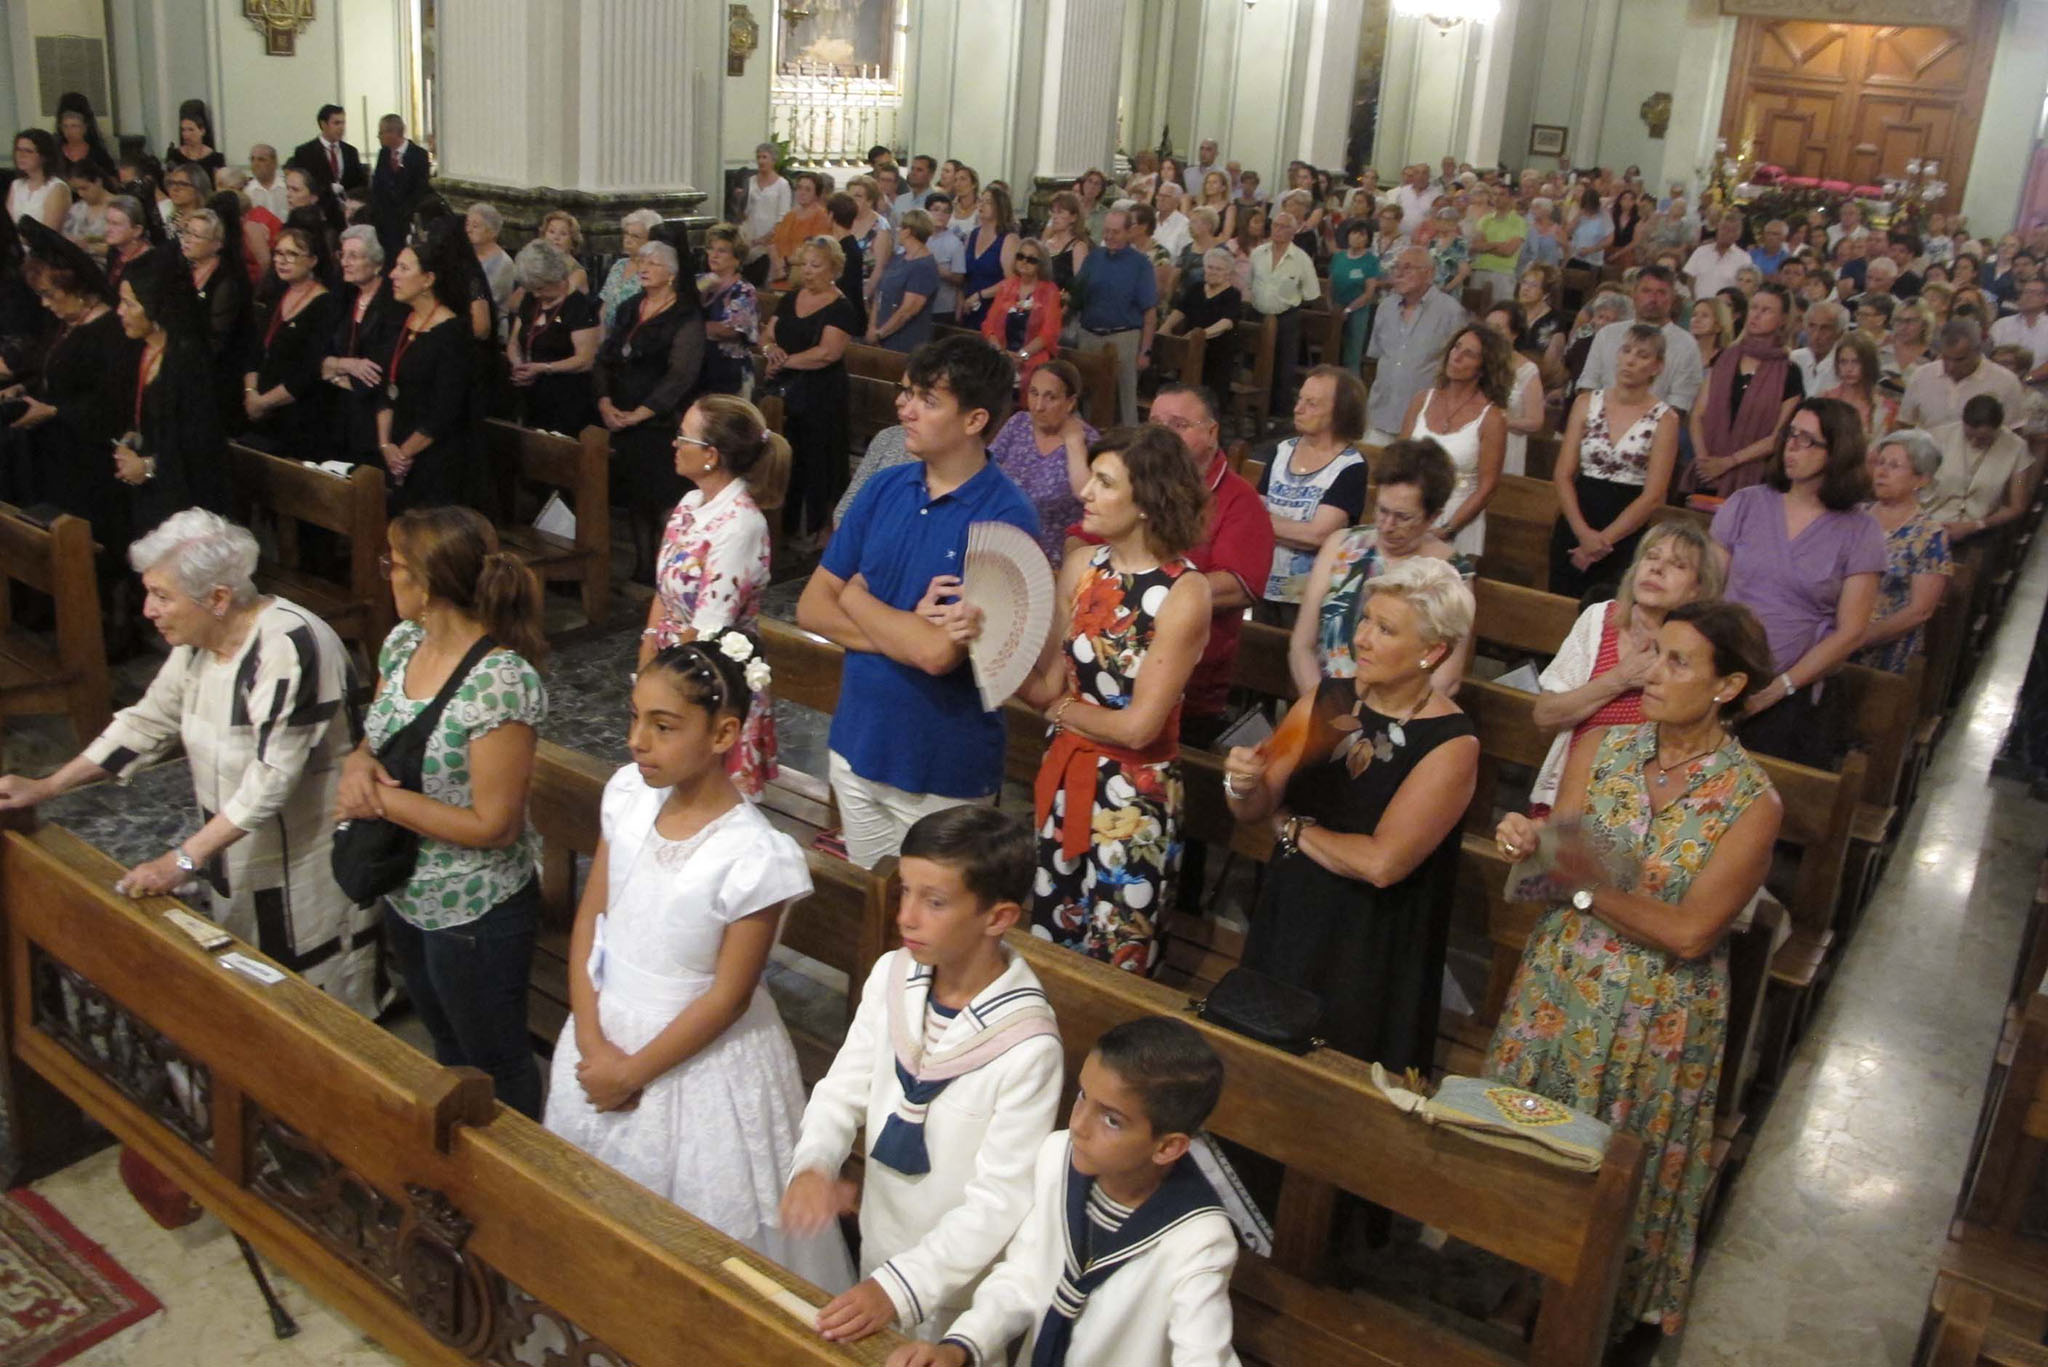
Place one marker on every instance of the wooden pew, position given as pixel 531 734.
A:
pixel 1176 359
pixel 1568 1228
pixel 68 675
pixel 1519 517
pixel 875 377
pixel 292 492
pixel 1542 455
pixel 1252 392
pixel 397 1191
pixel 580 469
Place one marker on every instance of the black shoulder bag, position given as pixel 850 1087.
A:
pixel 1262 1007
pixel 373 857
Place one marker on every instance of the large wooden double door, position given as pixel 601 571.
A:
pixel 1856 102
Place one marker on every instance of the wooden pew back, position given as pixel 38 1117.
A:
pixel 874 376
pixel 396 1190
pixel 579 468
pixel 359 609
pixel 72 678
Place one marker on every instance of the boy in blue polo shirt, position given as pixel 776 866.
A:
pixel 910 736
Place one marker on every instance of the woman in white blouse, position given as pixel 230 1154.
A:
pixel 1525 413
pixel 768 199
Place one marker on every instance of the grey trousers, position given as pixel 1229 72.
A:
pixel 1126 345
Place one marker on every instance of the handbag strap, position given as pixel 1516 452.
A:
pixel 430 715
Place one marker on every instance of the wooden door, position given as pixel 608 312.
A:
pixel 1856 102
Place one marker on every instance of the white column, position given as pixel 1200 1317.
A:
pixel 1084 55
pixel 1697 96
pixel 616 98
pixel 1332 61
pixel 1603 21
pixel 1488 106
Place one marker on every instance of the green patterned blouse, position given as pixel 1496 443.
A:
pixel 453 885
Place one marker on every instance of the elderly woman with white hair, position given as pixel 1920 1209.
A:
pixel 1365 815
pixel 554 341
pixel 1917 554
pixel 647 372
pixel 1211 304
pixel 364 329
pixel 622 281
pixel 256 691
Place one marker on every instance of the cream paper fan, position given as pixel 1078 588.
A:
pixel 1007 577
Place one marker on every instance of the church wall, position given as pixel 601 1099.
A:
pixel 2012 119
pixel 352 55
pixel 967 70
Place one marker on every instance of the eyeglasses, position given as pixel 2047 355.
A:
pixel 1186 425
pixel 1028 260
pixel 694 441
pixel 289 254
pixel 1804 439
pixel 384 565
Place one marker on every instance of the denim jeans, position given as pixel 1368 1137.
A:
pixel 468 983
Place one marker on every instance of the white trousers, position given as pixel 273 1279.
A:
pixel 874 817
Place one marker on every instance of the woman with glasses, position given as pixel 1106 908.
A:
pixel 1024 313
pixel 39 190
pixel 713 566
pixel 902 319
pixel 1415 481
pixel 1806 559
pixel 290 412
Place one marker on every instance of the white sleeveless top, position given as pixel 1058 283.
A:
pixel 22 200
pixel 1462 446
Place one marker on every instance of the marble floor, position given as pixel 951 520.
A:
pixel 1825 1254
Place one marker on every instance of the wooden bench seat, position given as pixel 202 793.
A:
pixel 579 468
pixel 280 493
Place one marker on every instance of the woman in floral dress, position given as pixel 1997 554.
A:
pixel 713 564
pixel 1620 1006
pixel 1132 621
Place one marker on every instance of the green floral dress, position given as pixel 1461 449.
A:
pixel 453 885
pixel 1628 1033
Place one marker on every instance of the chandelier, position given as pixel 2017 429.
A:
pixel 1448 14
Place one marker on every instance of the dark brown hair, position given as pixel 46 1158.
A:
pixel 746 446
pixel 1423 463
pixel 1844 481
pixel 1738 641
pixel 1066 373
pixel 455 553
pixel 1164 484
pixel 1347 402
pixel 1496 363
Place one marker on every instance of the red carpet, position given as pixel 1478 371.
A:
pixel 60 1293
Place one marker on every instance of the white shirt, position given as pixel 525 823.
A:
pixel 765 207
pixel 271 198
pixel 1173 232
pixel 1415 206
pixel 1713 270
pixel 2015 330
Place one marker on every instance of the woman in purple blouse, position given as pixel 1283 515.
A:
pixel 1044 451
pixel 1805 559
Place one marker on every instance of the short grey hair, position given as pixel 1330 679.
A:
pixel 1615 304
pixel 231 178
pixel 661 254
pixel 207 219
pixel 1441 600
pixel 197 176
pixel 1227 257
pixel 1540 204
pixel 759 148
pixel 1919 448
pixel 541 263
pixel 646 220
pixel 367 235
pixel 487 214
pixel 1961 330
pixel 918 224
pixel 201 551
pixel 1827 311
pixel 261 147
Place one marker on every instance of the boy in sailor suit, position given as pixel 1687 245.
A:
pixel 1125 1258
pixel 953 1068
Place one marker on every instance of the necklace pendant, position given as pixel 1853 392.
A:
pixel 1396 734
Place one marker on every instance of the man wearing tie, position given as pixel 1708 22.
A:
pixel 328 158
pixel 397 185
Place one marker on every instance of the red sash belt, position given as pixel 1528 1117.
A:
pixel 1069 767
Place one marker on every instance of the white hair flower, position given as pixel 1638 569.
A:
pixel 759 676
pixel 736 647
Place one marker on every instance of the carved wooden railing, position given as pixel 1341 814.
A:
pixel 448 1227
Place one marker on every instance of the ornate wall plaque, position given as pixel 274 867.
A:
pixel 742 37
pixel 1939 13
pixel 280 22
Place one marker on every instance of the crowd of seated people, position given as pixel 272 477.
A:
pixel 1850 407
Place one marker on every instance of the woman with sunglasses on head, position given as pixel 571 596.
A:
pixel 1806 559
pixel 713 564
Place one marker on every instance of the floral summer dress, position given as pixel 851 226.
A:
pixel 1917 546
pixel 1359 558
pixel 1106 902
pixel 1610 1026
pixel 710 575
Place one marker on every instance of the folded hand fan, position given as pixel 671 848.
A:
pixel 1007 577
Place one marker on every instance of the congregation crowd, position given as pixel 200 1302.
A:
pixel 1852 405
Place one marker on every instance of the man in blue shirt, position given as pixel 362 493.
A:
pixel 910 736
pixel 1118 289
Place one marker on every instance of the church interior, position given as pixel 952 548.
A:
pixel 1685 1003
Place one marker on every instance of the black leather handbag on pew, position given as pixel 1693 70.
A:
pixel 373 857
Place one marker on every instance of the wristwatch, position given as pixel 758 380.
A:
pixel 186 863
pixel 1582 900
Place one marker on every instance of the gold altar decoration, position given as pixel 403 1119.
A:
pixel 280 22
